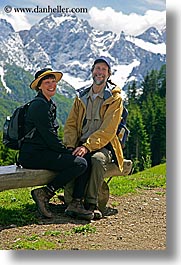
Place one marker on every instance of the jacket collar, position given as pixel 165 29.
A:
pixel 40 94
pixel 107 91
pixel 100 94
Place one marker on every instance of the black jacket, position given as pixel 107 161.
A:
pixel 41 115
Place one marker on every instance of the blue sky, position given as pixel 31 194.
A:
pixel 126 6
pixel 115 15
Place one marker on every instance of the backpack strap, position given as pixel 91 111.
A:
pixel 38 98
pixel 31 133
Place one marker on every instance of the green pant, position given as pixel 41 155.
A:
pixel 99 161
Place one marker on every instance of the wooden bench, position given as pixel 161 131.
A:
pixel 13 177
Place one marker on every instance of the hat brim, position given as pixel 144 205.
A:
pixel 34 83
pixel 102 60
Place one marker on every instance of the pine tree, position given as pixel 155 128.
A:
pixel 132 93
pixel 7 156
pixel 153 107
pixel 137 147
pixel 158 141
pixel 162 82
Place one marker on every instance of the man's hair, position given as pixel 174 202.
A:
pixel 100 61
pixel 105 60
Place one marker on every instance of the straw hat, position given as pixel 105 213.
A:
pixel 42 73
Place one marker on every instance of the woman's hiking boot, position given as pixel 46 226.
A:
pixel 76 209
pixel 42 196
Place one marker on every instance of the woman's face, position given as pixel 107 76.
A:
pixel 48 87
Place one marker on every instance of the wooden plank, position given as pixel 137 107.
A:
pixel 113 170
pixel 13 177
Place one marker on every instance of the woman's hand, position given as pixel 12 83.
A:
pixel 80 151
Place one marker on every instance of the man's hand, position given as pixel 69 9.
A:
pixel 80 151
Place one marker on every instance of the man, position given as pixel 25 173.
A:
pixel 91 127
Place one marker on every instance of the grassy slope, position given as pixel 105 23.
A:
pixel 150 178
pixel 17 206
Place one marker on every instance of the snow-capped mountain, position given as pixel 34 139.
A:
pixel 69 44
pixel 6 29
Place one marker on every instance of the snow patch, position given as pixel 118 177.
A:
pixel 148 46
pixel 8 90
pixel 121 73
pixel 75 82
pixel 59 20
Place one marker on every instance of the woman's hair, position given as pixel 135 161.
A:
pixel 44 78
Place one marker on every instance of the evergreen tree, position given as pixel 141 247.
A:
pixel 149 85
pixel 137 147
pixel 158 141
pixel 7 156
pixel 153 107
pixel 132 93
pixel 162 82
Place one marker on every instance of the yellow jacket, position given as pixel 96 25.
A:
pixel 110 113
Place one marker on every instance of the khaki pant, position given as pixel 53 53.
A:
pixel 99 161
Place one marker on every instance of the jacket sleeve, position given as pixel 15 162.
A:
pixel 72 125
pixel 108 129
pixel 40 115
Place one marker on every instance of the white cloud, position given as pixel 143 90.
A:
pixel 19 21
pixel 133 24
pixel 102 19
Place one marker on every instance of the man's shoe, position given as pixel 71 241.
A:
pixel 93 208
pixel 76 209
pixel 108 211
pixel 97 214
pixel 42 196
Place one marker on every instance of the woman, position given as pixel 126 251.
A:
pixel 45 151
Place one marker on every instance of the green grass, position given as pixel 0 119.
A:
pixel 49 240
pixel 84 229
pixel 17 207
pixel 151 178
pixel 34 242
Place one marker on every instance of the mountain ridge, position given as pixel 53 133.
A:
pixel 68 43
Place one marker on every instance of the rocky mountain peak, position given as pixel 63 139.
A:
pixel 152 35
pixel 69 44
pixel 5 28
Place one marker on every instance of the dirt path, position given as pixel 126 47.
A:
pixel 140 224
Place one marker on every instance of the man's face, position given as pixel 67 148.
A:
pixel 100 73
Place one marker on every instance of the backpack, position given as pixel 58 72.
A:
pixel 122 131
pixel 14 127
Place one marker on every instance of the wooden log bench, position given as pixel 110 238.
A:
pixel 13 177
